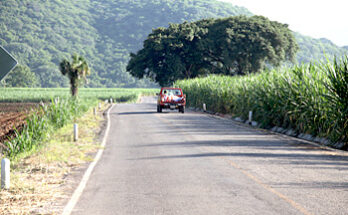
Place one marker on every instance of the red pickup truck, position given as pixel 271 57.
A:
pixel 171 98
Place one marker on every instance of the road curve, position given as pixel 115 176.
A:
pixel 193 163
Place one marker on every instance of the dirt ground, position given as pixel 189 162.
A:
pixel 13 116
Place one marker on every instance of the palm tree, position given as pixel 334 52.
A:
pixel 75 70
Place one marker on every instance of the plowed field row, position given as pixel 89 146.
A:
pixel 13 116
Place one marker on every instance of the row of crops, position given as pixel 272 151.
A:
pixel 46 94
pixel 310 99
pixel 56 109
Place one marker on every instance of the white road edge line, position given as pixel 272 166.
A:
pixel 79 190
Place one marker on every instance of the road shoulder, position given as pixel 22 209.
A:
pixel 43 182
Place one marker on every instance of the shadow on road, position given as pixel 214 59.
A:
pixel 265 147
pixel 324 159
pixel 137 113
pixel 144 113
pixel 289 145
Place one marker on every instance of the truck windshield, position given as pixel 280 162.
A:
pixel 172 92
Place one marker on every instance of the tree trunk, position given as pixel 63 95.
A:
pixel 73 83
pixel 188 72
pixel 239 69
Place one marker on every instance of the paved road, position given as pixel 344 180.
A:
pixel 193 163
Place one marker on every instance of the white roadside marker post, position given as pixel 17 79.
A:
pixel 204 107
pixel 42 104
pixel 5 173
pixel 110 100
pixel 95 111
pixel 250 117
pixel 76 132
pixel 99 105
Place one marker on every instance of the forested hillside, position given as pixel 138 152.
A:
pixel 41 33
pixel 316 49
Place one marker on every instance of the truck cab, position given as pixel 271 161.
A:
pixel 171 98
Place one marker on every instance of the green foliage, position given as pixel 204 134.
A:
pixel 234 45
pixel 47 94
pixel 317 49
pixel 61 110
pixel 337 86
pixel 21 76
pixel 76 70
pixel 308 98
pixel 41 33
pixel 41 124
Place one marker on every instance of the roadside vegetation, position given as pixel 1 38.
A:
pixel 47 94
pixel 56 109
pixel 42 150
pixel 43 121
pixel 39 177
pixel 310 99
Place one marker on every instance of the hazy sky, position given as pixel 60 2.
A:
pixel 315 18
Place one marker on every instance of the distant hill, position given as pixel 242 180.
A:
pixel 317 49
pixel 40 33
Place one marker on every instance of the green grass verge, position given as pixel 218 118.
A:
pixel 310 99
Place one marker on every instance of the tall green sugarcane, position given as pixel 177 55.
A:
pixel 311 98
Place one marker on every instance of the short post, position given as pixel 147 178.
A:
pixel 5 173
pixel 99 105
pixel 76 132
pixel 95 111
pixel 204 107
pixel 56 100
pixel 42 104
pixel 110 100
pixel 250 117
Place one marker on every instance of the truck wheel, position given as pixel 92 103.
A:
pixel 182 109
pixel 159 108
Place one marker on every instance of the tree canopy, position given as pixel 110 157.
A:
pixel 77 70
pixel 234 45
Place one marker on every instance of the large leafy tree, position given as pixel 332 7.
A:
pixel 244 45
pixel 234 45
pixel 76 70
pixel 169 54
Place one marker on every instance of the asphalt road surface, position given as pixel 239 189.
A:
pixel 194 163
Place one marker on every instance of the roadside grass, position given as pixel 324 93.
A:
pixel 60 110
pixel 37 176
pixel 43 122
